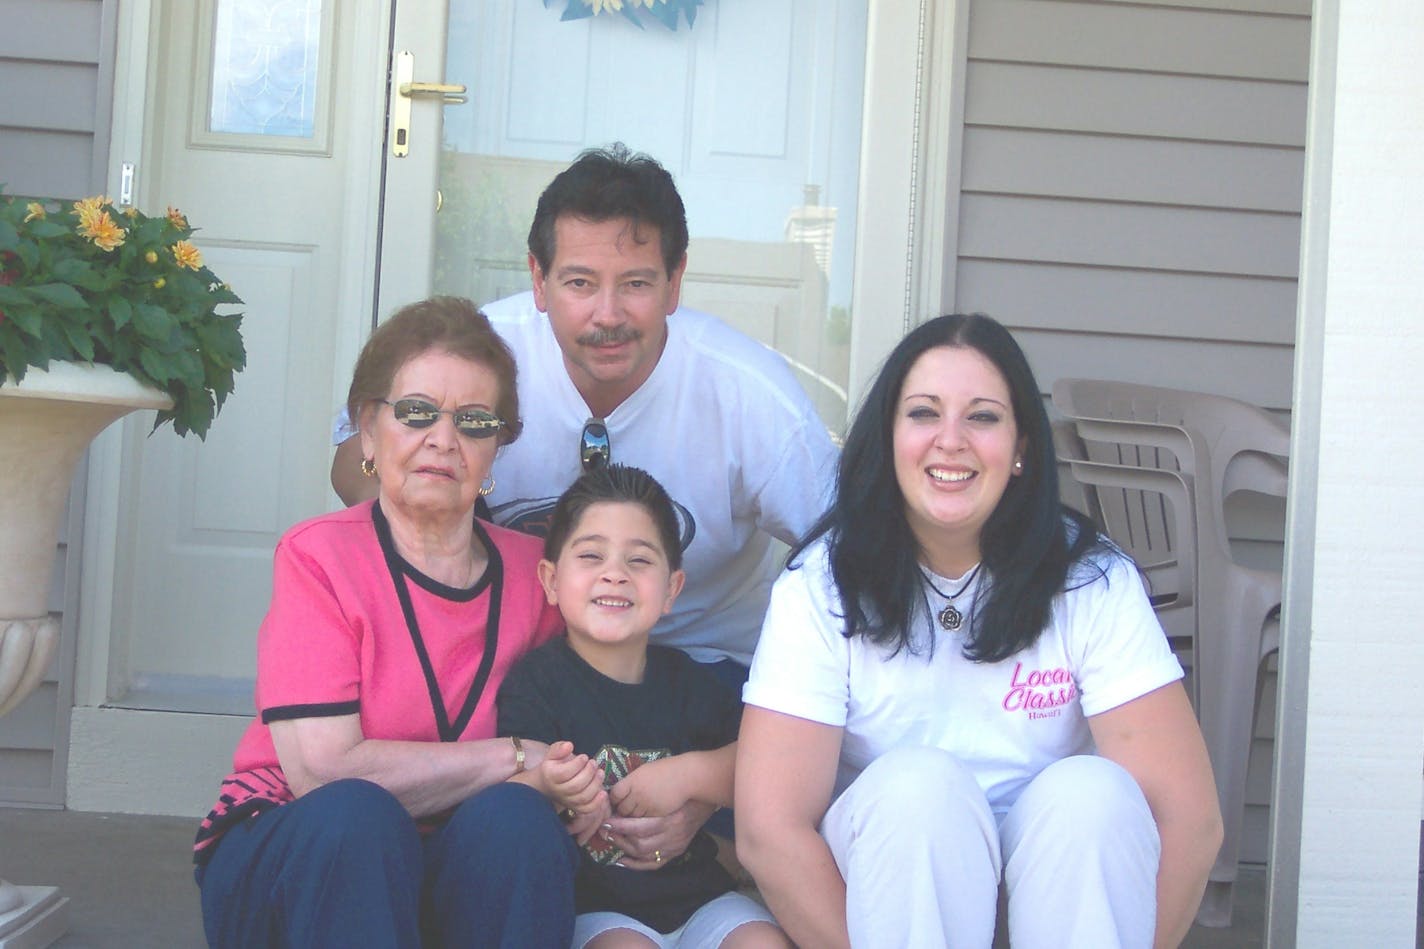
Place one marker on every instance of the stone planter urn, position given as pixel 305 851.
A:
pixel 46 422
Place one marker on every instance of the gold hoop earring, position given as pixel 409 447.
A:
pixel 368 467
pixel 487 487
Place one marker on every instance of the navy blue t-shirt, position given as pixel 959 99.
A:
pixel 680 706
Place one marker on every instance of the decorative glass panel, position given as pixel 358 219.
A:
pixel 265 67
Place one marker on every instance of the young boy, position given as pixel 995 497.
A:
pixel 651 729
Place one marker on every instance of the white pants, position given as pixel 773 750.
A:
pixel 705 929
pixel 921 854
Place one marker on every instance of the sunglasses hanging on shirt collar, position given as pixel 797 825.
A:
pixel 595 450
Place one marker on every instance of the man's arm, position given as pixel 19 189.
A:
pixel 347 481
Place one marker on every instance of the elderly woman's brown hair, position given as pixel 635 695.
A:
pixel 443 324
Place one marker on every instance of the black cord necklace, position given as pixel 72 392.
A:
pixel 950 618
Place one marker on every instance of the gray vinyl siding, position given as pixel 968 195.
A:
pixel 56 67
pixel 1131 178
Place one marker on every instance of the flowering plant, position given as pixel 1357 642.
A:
pixel 668 12
pixel 88 282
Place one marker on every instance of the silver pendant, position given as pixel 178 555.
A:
pixel 950 618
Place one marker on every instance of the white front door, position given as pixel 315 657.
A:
pixel 757 112
pixel 260 120
pixel 250 138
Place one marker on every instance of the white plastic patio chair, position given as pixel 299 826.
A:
pixel 1218 446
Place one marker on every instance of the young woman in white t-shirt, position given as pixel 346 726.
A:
pixel 960 682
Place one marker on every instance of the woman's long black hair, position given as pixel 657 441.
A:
pixel 1027 545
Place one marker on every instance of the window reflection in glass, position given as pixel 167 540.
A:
pixel 265 67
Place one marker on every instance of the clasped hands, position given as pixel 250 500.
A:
pixel 647 814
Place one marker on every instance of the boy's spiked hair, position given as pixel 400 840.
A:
pixel 616 484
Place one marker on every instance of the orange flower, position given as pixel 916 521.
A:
pixel 176 218
pixel 151 257
pixel 36 212
pixel 102 230
pixel 89 209
pixel 187 255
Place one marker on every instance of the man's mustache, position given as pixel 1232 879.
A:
pixel 610 336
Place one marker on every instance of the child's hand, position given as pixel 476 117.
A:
pixel 575 784
pixel 654 789
pixel 571 781
pixel 582 825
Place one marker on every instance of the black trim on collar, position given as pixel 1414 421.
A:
pixel 493 579
pixel 429 584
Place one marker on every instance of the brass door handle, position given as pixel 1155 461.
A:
pixel 407 88
pixel 452 92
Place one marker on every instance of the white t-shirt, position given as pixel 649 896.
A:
pixel 721 423
pixel 1007 720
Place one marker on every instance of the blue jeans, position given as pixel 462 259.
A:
pixel 345 866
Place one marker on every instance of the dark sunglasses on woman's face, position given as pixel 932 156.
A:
pixel 595 450
pixel 472 423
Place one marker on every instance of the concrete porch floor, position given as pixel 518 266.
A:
pixel 129 880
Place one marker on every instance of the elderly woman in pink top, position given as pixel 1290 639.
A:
pixel 370 803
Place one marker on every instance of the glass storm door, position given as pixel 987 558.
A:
pixel 755 109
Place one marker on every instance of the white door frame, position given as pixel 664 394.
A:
pixel 1346 803
pixel 909 176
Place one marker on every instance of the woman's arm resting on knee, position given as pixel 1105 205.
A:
pixel 426 777
pixel 1156 738
pixel 786 772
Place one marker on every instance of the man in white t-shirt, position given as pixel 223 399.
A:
pixel 612 369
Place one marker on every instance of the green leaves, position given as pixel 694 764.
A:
pixel 133 307
pixel 152 322
pixel 82 342
pixel 58 294
pixel 120 312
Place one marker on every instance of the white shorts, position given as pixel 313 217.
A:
pixel 706 928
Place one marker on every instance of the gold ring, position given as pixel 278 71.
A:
pixel 657 856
